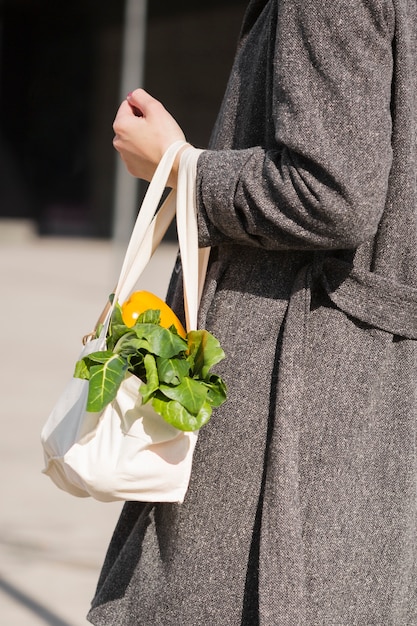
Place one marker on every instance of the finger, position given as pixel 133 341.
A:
pixel 137 112
pixel 123 118
pixel 132 105
pixel 124 110
pixel 144 102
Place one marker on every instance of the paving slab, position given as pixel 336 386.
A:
pixel 51 544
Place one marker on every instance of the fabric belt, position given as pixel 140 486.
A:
pixel 374 299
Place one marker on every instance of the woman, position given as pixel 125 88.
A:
pixel 302 503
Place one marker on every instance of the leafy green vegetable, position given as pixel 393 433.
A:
pixel 105 379
pixel 190 393
pixel 175 414
pixel 205 351
pixel 152 381
pixel 174 372
pixel 217 392
pixel 159 341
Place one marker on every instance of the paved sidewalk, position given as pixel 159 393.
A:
pixel 51 544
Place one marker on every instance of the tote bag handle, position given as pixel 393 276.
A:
pixel 194 261
pixel 152 224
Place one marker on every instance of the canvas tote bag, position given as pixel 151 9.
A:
pixel 128 451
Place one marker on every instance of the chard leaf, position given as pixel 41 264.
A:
pixel 150 316
pixel 81 370
pixel 117 317
pixel 117 327
pixel 98 330
pixel 217 390
pixel 204 352
pixel 172 371
pixel 173 329
pixel 101 356
pixel 174 413
pixel 105 380
pixel 160 341
pixel 190 393
pixel 152 380
pixel 176 372
pixel 136 365
pixel 127 344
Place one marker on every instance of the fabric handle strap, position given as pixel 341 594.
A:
pixel 150 227
pixel 194 262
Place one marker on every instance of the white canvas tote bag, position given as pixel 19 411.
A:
pixel 128 451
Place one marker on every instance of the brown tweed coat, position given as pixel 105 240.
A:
pixel 302 508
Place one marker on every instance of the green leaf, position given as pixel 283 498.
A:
pixel 217 390
pixel 160 341
pixel 204 352
pixel 150 316
pixel 81 370
pixel 98 330
pixel 173 329
pixel 117 327
pixel 127 344
pixel 136 365
pixel 175 372
pixel 152 380
pixel 101 356
pixel 172 371
pixel 117 317
pixel 190 393
pixel 105 380
pixel 174 413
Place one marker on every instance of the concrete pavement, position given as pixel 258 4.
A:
pixel 51 544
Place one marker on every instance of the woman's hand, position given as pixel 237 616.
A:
pixel 143 131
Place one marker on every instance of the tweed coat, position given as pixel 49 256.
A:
pixel 302 503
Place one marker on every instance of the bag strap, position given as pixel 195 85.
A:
pixel 194 262
pixel 144 219
pixel 152 224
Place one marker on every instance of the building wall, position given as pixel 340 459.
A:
pixel 59 91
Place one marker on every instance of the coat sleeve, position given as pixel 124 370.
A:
pixel 322 181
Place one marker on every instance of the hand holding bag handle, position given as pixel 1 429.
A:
pixel 128 452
